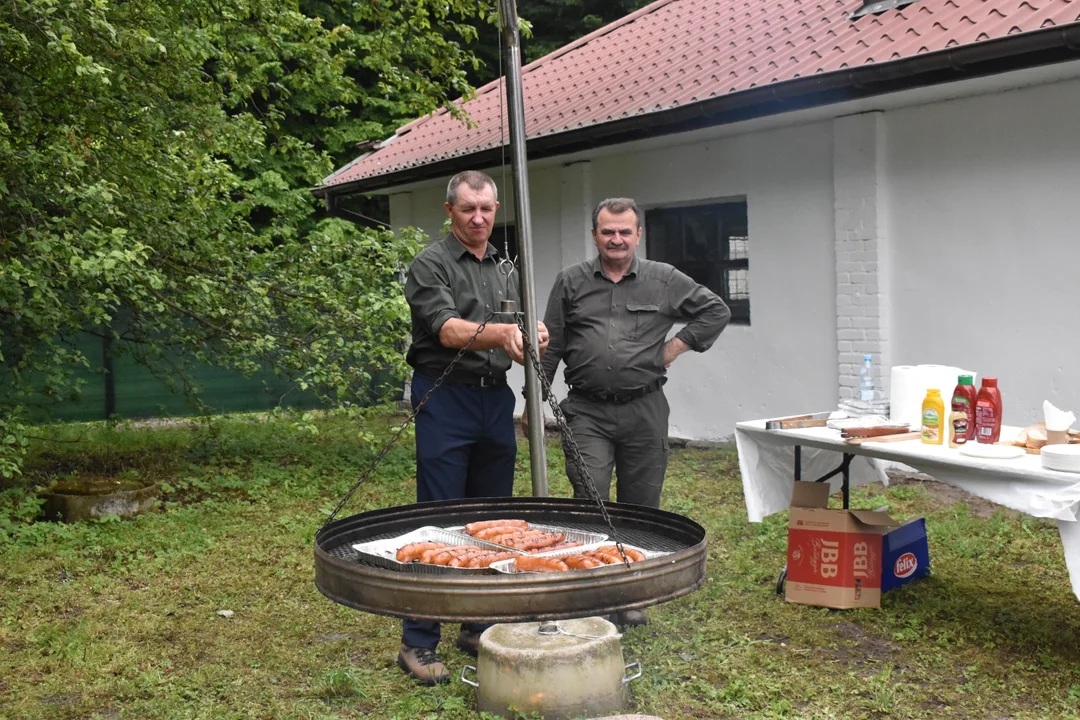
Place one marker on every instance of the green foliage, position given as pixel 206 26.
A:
pixel 547 25
pixel 155 166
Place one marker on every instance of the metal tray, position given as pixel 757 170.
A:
pixel 507 566
pixel 383 552
pixel 583 536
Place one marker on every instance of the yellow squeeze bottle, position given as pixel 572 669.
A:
pixel 933 418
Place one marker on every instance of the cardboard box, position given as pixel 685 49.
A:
pixel 847 558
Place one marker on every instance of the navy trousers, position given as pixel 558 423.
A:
pixel 465 448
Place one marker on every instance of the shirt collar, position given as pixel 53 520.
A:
pixel 598 269
pixel 457 248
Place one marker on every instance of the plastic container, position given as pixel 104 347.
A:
pixel 866 380
pixel 933 418
pixel 963 400
pixel 958 427
pixel 988 412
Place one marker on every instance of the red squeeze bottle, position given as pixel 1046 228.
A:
pixel 963 400
pixel 988 412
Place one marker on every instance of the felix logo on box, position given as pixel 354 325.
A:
pixel 905 565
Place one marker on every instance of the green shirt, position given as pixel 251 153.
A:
pixel 611 335
pixel 447 281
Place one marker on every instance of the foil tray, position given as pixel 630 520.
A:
pixel 383 552
pixel 507 566
pixel 571 535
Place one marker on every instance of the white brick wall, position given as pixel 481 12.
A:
pixel 861 249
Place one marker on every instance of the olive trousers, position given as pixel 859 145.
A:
pixel 629 438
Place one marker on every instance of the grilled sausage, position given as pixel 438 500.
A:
pixel 528 563
pixel 445 556
pixel 581 562
pixel 559 546
pixel 606 558
pixel 520 539
pixel 425 557
pixel 543 541
pixel 488 533
pixel 503 538
pixel 463 559
pixel 484 561
pixel 634 555
pixel 412 551
pixel 473 528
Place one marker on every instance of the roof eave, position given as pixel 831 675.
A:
pixel 989 57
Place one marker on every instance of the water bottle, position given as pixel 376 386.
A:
pixel 866 381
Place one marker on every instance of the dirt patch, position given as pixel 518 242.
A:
pixel 861 647
pixel 943 495
pixel 774 639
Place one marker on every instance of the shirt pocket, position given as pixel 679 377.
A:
pixel 642 317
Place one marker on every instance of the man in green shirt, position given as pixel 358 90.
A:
pixel 608 320
pixel 465 441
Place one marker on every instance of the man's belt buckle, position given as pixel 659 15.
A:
pixel 487 381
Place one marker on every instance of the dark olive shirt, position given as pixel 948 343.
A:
pixel 447 281
pixel 611 335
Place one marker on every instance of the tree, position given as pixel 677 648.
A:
pixel 156 160
pixel 549 25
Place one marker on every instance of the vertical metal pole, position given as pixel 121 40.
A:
pixel 515 106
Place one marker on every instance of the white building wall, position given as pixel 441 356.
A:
pixel 984 241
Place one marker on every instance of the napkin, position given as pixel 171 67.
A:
pixel 1057 419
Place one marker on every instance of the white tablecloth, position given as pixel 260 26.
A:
pixel 767 461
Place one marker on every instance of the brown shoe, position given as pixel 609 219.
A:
pixel 468 642
pixel 423 664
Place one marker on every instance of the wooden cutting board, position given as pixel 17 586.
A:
pixel 898 437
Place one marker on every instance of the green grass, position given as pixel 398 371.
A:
pixel 120 619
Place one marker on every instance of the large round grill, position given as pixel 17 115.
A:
pixel 342 575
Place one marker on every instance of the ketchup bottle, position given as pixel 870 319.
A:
pixel 988 412
pixel 963 400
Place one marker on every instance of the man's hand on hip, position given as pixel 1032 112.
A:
pixel 673 348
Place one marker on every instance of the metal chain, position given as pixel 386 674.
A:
pixel 408 421
pixel 569 443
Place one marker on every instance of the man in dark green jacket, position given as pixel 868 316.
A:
pixel 608 320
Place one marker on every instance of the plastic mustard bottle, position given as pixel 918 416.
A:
pixel 933 418
pixel 963 400
pixel 988 412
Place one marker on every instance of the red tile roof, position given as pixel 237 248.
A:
pixel 675 53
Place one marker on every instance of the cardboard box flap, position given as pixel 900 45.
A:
pixel 874 518
pixel 810 494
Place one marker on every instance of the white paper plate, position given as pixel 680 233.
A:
pixel 1064 458
pixel 1072 452
pixel 992 452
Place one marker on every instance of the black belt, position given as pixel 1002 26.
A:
pixel 465 379
pixel 622 396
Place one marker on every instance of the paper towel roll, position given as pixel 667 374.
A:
pixel 905 381
pixel 908 386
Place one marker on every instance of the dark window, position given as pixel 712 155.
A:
pixel 504 237
pixel 710 243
